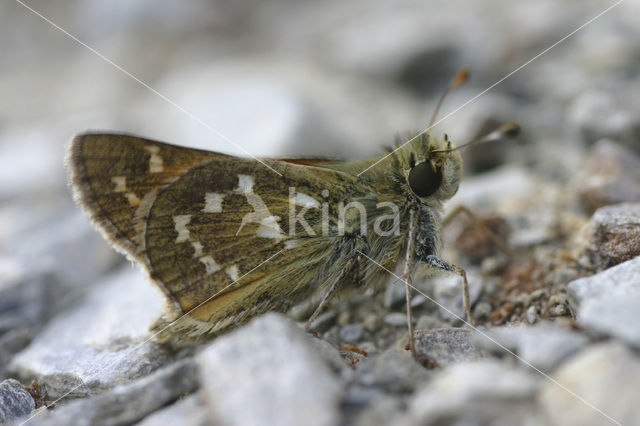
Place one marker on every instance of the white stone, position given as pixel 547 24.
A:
pixel 267 373
pixel 606 377
pixel 100 342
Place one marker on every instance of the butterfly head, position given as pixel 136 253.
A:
pixel 433 169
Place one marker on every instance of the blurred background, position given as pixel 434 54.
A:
pixel 282 77
pixel 335 78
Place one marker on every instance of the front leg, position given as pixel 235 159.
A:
pixel 437 263
pixel 408 268
pixel 351 271
pixel 323 304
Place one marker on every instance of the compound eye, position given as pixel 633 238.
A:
pixel 424 180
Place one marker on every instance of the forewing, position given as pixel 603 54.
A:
pixel 212 230
pixel 115 179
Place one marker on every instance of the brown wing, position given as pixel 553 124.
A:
pixel 211 230
pixel 115 178
pixel 220 240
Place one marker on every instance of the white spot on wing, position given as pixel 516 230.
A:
pixel 305 200
pixel 181 221
pixel 210 264
pixel 121 183
pixel 213 202
pixel 245 185
pixel 269 228
pixel 290 244
pixel 156 164
pixel 232 271
pixel 121 186
pixel 132 198
pixel 197 247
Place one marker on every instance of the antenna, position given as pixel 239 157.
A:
pixel 458 79
pixel 505 131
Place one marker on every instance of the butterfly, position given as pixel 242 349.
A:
pixel 227 238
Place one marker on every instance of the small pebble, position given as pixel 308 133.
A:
pixel 418 300
pixel 610 175
pixel 351 333
pixel 482 311
pixel 558 311
pixel 444 346
pixel 371 322
pixel 611 236
pixel 394 296
pixel 344 317
pixel 427 322
pixel 323 322
pixel 557 299
pixel 396 319
pixel 15 401
pixel 537 294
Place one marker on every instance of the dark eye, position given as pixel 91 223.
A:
pixel 423 180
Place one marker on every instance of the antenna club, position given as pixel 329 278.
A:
pixel 510 130
pixel 461 76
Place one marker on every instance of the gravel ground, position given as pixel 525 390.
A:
pixel 558 330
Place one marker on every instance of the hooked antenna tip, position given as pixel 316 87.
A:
pixel 460 77
pixel 509 130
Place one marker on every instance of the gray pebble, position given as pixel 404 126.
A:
pixel 395 319
pixel 544 345
pixel 610 175
pixel 394 295
pixel 428 322
pixel 188 411
pixel 598 114
pixel 605 375
pixel 482 310
pixel 384 410
pixel 484 391
pixel 250 375
pixel 532 314
pixel 623 279
pixel 448 294
pixel 612 235
pixel 614 315
pixel 91 347
pixel 558 311
pixel 446 346
pixel 323 322
pixel 351 333
pixel 609 302
pixel 418 300
pixel 15 401
pixel 127 403
pixel 394 370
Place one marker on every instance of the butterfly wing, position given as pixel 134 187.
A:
pixel 114 178
pixel 220 235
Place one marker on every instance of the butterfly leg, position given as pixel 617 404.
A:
pixel 323 304
pixel 351 271
pixel 408 268
pixel 437 263
pixel 477 222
